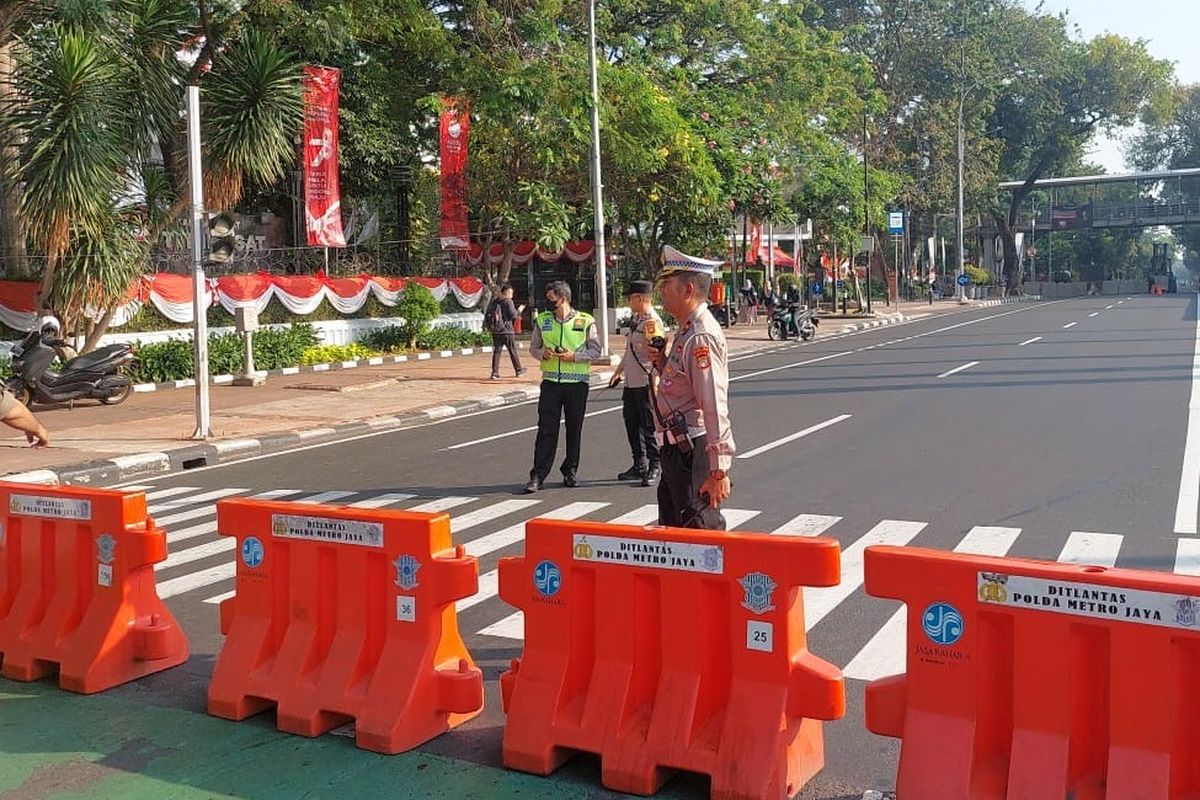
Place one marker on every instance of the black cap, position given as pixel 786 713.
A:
pixel 641 287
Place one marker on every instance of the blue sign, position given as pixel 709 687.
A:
pixel 252 552
pixel 841 284
pixel 547 578
pixel 817 288
pixel 758 587
pixel 895 222
pixel 963 279
pixel 942 624
pixel 406 572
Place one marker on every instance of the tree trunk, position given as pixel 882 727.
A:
pixel 98 330
pixel 12 240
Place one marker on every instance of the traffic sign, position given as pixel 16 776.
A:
pixel 840 284
pixel 895 222
pixel 816 288
pixel 963 279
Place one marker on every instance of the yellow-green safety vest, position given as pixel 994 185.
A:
pixel 570 335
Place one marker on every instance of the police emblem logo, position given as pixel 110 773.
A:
pixel 758 587
pixel 991 587
pixel 583 550
pixel 650 328
pixel 106 548
pixel 711 560
pixel 1186 609
pixel 702 354
pixel 547 323
pixel 279 527
pixel 406 572
pixel 14 505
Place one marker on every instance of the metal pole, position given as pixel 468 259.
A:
pixel 962 294
pixel 866 211
pixel 199 282
pixel 597 186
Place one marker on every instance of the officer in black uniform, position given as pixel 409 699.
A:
pixel 635 368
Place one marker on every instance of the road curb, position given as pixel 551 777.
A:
pixel 146 465
pixel 373 361
pixel 878 322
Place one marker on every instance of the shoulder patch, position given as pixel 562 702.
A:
pixel 580 324
pixel 701 353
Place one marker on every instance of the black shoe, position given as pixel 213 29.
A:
pixel 633 473
pixel 652 475
pixel 570 481
pixel 534 485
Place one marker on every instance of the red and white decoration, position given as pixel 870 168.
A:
pixel 322 196
pixel 299 294
pixel 455 137
pixel 524 252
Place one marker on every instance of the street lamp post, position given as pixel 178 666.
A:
pixel 597 186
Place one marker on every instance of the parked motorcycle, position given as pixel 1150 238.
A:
pixel 95 375
pixel 792 320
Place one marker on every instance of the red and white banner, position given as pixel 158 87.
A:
pixel 322 198
pixel 455 133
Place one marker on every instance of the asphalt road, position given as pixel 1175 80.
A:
pixel 1050 430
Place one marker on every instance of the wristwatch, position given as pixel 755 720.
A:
pixel 719 474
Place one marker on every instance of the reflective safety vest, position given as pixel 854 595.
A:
pixel 570 335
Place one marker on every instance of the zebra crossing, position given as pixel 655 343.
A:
pixel 201 565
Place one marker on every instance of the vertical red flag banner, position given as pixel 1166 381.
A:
pixel 322 197
pixel 455 129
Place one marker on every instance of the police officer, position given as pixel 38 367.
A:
pixel 635 368
pixel 565 342
pixel 691 408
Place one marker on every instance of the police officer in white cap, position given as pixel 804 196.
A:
pixel 635 368
pixel 691 401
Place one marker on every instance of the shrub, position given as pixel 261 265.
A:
pixel 273 349
pixel 5 368
pixel 450 338
pixel 787 279
pixel 418 308
pixel 978 275
pixel 386 340
pixel 330 353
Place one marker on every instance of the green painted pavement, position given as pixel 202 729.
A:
pixel 54 744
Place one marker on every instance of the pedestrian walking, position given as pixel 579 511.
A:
pixel 691 405
pixel 565 342
pixel 635 368
pixel 750 296
pixel 14 414
pixel 932 279
pixel 499 318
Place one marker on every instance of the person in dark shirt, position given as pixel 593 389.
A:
pixel 499 320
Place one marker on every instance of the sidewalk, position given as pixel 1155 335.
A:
pixel 150 433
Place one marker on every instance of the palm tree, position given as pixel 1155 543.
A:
pixel 96 110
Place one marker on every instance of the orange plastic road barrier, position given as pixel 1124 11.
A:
pixel 346 614
pixel 77 588
pixel 662 649
pixel 1029 679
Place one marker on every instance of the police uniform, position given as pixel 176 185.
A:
pixel 692 419
pixel 564 389
pixel 636 366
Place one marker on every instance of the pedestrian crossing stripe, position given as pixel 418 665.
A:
pixel 199 559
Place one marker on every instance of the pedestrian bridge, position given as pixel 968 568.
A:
pixel 1135 200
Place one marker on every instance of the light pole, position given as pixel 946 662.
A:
pixel 962 100
pixel 597 186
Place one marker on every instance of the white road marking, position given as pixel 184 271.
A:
pixel 196 580
pixel 1108 307
pixel 383 500
pixel 275 494
pixel 793 437
pixel 1187 557
pixel 326 497
pixel 1030 341
pixel 808 524
pixel 1087 547
pixel 820 601
pixel 206 497
pixel 1189 478
pixel 217 599
pixel 494 511
pixel 956 370
pixel 883 655
pixel 170 492
pixel 190 554
pixel 1094 314
pixel 642 515
pixel 1070 325
pixel 443 504
pixel 519 431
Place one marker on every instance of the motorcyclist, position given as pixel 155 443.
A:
pixel 791 301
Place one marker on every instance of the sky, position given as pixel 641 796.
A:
pixel 1168 26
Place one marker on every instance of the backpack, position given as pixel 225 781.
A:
pixel 494 319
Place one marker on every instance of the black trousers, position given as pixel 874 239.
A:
pixel 639 426
pixel 501 341
pixel 559 400
pixel 679 502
